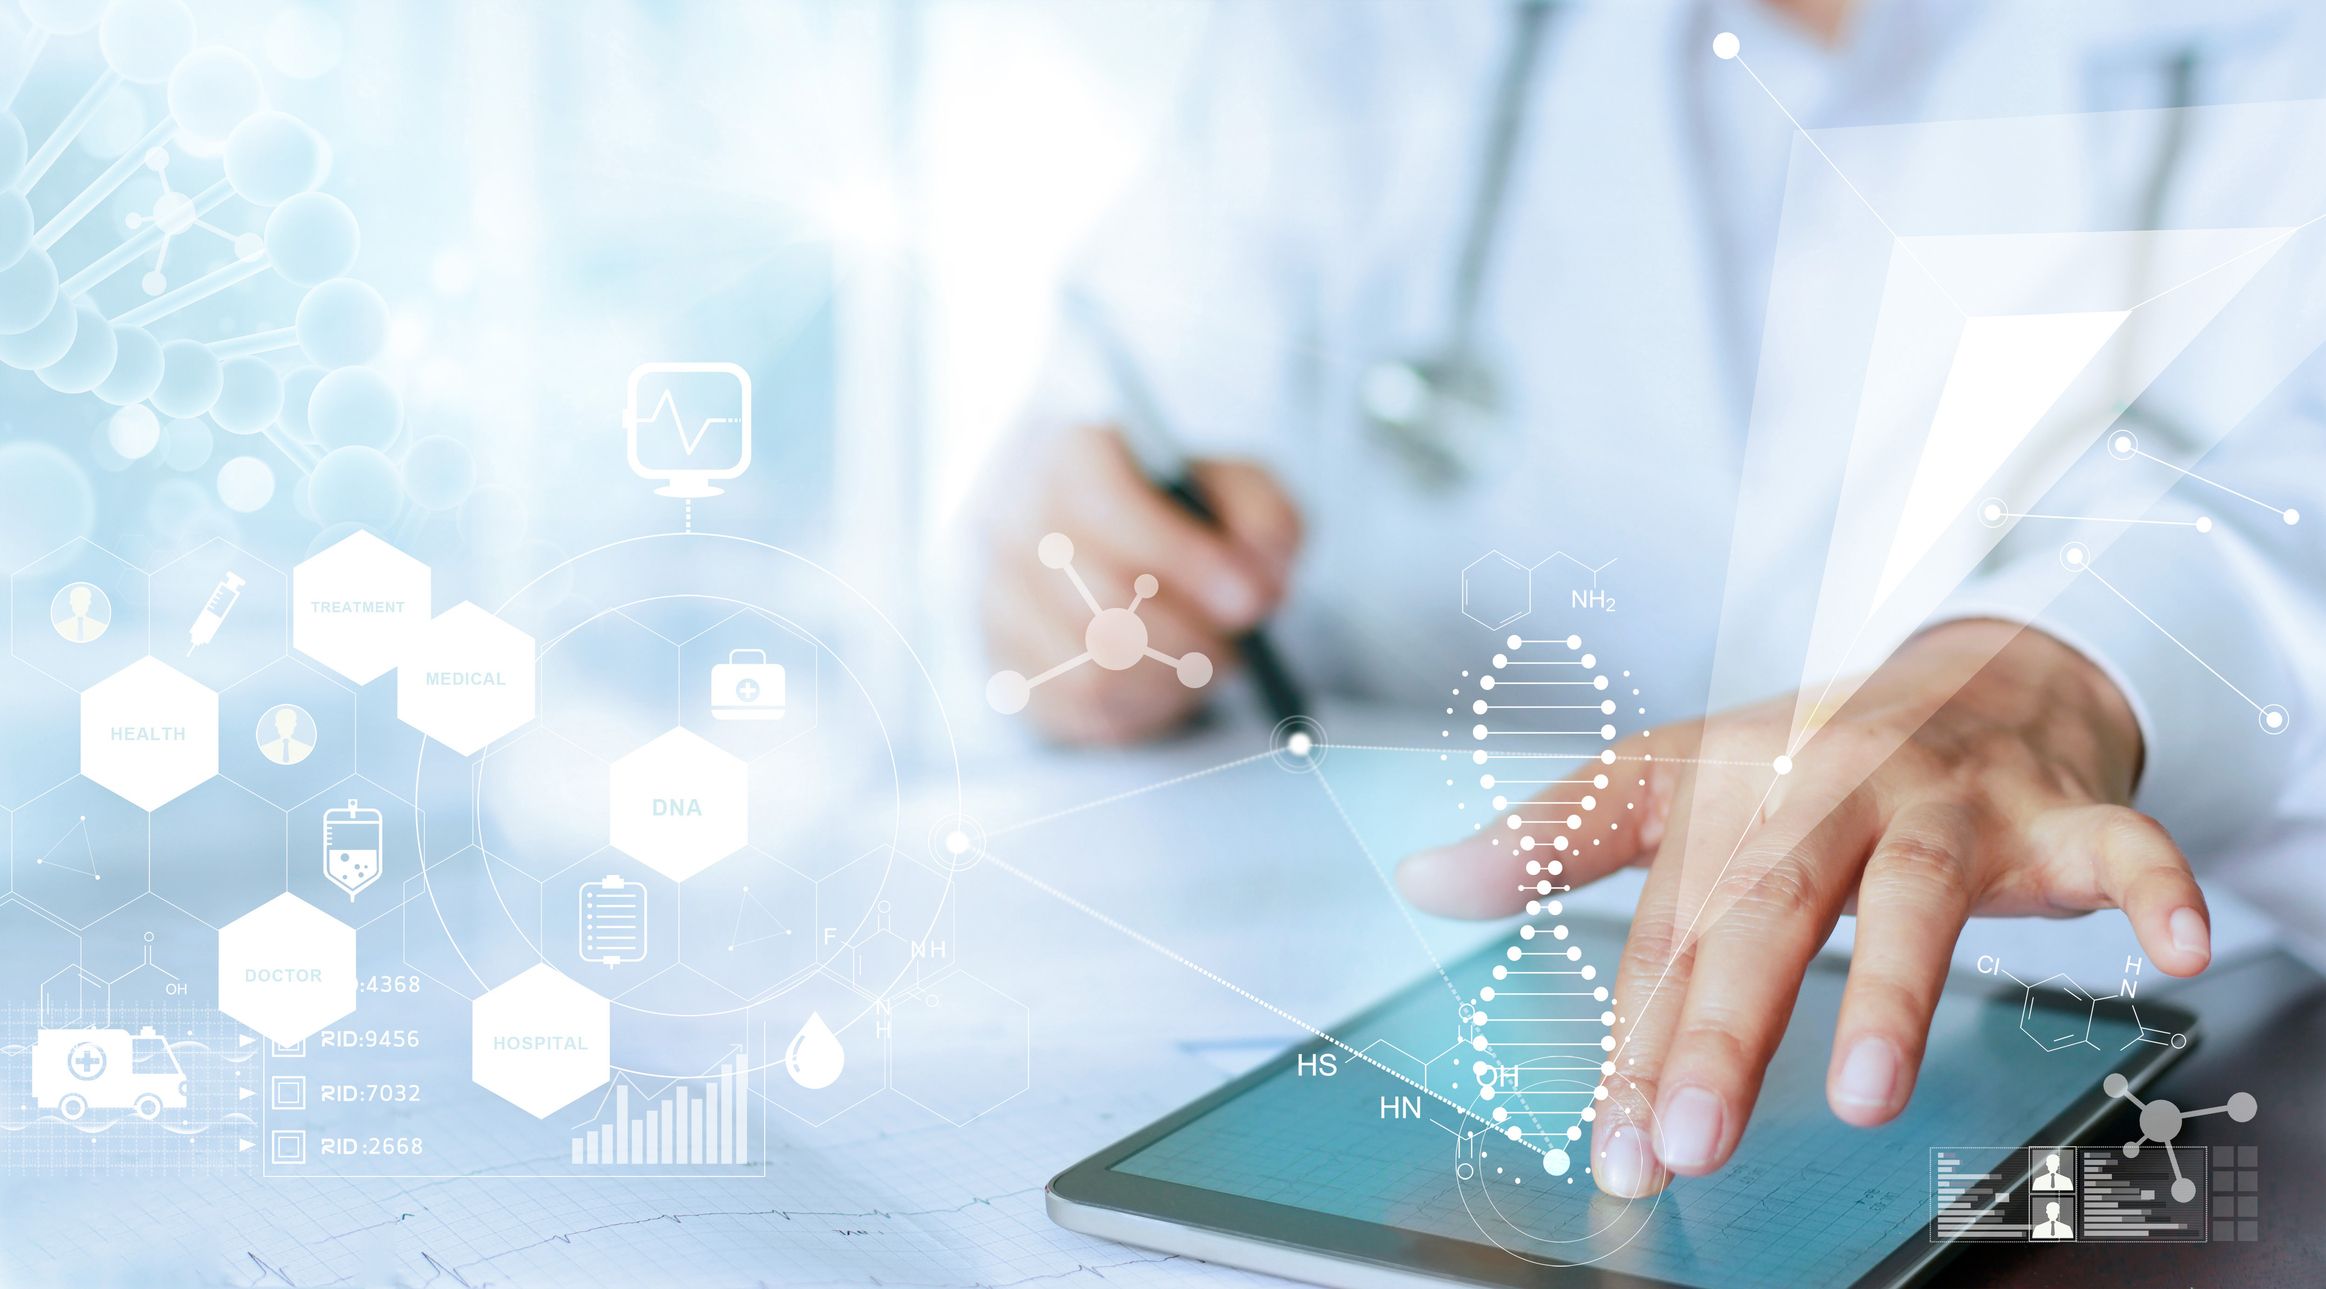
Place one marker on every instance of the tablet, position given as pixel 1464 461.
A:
pixel 1380 1159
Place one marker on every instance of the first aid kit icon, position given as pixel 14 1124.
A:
pixel 747 687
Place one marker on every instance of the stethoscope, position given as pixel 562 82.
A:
pixel 1440 410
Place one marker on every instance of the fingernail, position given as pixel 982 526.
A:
pixel 1231 599
pixel 1623 1162
pixel 2189 933
pixel 1688 1129
pixel 1869 1074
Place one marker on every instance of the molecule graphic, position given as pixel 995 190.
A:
pixel 1116 638
pixel 2161 1120
pixel 166 249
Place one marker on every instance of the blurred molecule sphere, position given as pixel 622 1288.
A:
pixel 273 157
pixel 354 407
pixel 191 379
pixel 342 323
pixel 137 367
pixel 245 484
pixel 298 391
pixel 88 360
pixel 186 445
pixel 15 226
pixel 356 485
pixel 134 432
pixel 28 290
pixel 312 238
pixel 64 17
pixel 45 501
pixel 212 91
pixel 250 396
pixel 439 473
pixel 144 40
pixel 44 341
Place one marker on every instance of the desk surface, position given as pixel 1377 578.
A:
pixel 2264 1033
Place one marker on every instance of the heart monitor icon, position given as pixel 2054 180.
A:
pixel 688 425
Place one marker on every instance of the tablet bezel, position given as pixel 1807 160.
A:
pixel 1094 1198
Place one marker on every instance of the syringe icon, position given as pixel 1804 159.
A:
pixel 215 609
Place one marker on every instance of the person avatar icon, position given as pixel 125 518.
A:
pixel 286 734
pixel 80 612
pixel 2052 1228
pixel 2051 1178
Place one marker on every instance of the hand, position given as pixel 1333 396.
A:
pixel 1982 769
pixel 1214 583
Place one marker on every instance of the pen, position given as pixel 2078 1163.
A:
pixel 1166 465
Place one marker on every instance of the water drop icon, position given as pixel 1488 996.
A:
pixel 815 1057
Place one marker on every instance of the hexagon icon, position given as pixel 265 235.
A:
pixel 466 679
pixel 356 604
pixel 286 968
pixel 540 1041
pixel 149 732
pixel 680 804
pixel 1496 591
pixel 958 1047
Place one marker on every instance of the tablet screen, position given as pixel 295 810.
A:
pixel 1807 1199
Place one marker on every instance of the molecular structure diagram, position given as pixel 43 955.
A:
pixel 166 248
pixel 1116 638
pixel 2161 1121
pixel 2058 1013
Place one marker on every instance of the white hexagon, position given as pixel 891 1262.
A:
pixel 680 804
pixel 149 732
pixel 1496 590
pixel 540 1041
pixel 466 679
pixel 286 968
pixel 355 605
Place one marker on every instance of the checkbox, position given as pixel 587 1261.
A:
pixel 287 1092
pixel 288 1146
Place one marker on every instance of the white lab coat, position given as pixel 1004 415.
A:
pixel 1302 222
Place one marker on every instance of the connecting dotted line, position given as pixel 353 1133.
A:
pixel 1134 792
pixel 1232 987
pixel 1374 866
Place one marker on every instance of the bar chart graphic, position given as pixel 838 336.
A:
pixel 698 1122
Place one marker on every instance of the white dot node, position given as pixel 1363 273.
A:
pixel 1588 660
pixel 1478 757
pixel 1501 1114
pixel 1478 708
pixel 2204 523
pixel 1486 1093
pixel 1724 45
pixel 1559 842
pixel 1512 953
pixel 1486 682
pixel 1486 994
pixel 1513 641
pixel 1589 1114
pixel 1501 972
pixel 1991 512
pixel 1590 973
pixel 1607 1067
pixel 2075 556
pixel 1552 908
pixel 1511 1133
pixel 1599 995
pixel 1599 682
pixel 1607 1043
pixel 1574 821
pixel 1535 906
pixel 2291 516
pixel 1558 933
pixel 1782 765
pixel 1574 642
pixel 1501 660
pixel 1486 781
pixel 1573 1133
pixel 1574 952
pixel 1526 933
pixel 957 842
pixel 1478 732
pixel 1607 756
pixel 1533 868
pixel 1526 843
pixel 1557 868
pixel 1511 821
pixel 1607 707
pixel 1501 802
pixel 1607 1019
pixel 1590 802
pixel 1542 888
pixel 1478 1043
